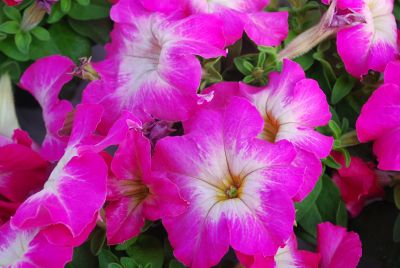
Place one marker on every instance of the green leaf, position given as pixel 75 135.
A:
pixel 83 2
pixel 65 5
pixel 244 66
pixel 336 130
pixel 249 79
pixel 342 88
pixel 261 59
pixel 396 195
pixel 11 67
pixel 303 207
pixel 127 244
pixel 3 36
pixel 330 162
pixel 106 257
pixel 10 27
pixel 12 13
pixel 7 46
pixel 98 9
pixel 56 14
pixel 175 264
pixel 114 265
pixel 310 220
pixel 96 30
pixel 97 241
pixel 346 155
pixel 23 41
pixel 128 263
pixel 147 249
pixel 396 229
pixel 40 33
pixel 306 61
pixel 83 258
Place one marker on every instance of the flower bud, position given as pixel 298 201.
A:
pixel 8 116
pixel 33 15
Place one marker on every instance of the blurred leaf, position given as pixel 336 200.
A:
pixel 342 88
pixel 96 30
pixel 303 207
pixel 83 258
pixel 97 241
pixel 106 257
pixel 243 65
pixel 336 130
pixel 341 215
pixel 83 2
pixel 330 162
pixel 12 13
pixel 147 249
pixel 56 14
pixel 23 41
pixel 65 5
pixel 128 263
pixel 306 61
pixel 114 265
pixel 7 46
pixel 40 33
pixel 98 9
pixel 126 244
pixel 396 229
pixel 12 68
pixel 10 27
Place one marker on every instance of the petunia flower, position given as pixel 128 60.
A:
pixel 151 67
pixel 78 178
pixel 12 2
pixel 286 257
pixel 379 120
pixel 337 247
pixel 264 28
pixel 239 188
pixel 292 106
pixel 366 34
pixel 30 248
pixel 357 183
pixel 371 45
pixel 134 193
pixel 44 80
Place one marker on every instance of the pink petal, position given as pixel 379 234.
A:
pixel 338 248
pixel 44 80
pixel 387 149
pixel 392 73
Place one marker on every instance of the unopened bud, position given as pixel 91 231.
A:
pixel 85 70
pixel 33 15
pixel 8 116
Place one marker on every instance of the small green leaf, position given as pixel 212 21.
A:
pixel 330 162
pixel 346 155
pixel 341 215
pixel 114 265
pixel 83 2
pixel 261 59
pixel 56 14
pixel 306 61
pixel 396 229
pixel 65 5
pixel 126 244
pixel 96 30
pixel 23 41
pixel 106 257
pixel 3 36
pixel 12 13
pixel 98 9
pixel 303 207
pixel 342 88
pixel 7 46
pixel 396 195
pixel 336 130
pixel 147 249
pixel 97 241
pixel 11 67
pixel 10 27
pixel 345 125
pixel 128 263
pixel 243 65
pixel 40 33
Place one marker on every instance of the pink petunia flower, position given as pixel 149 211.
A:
pixel 151 68
pixel 44 80
pixel 370 45
pixel 12 2
pixel 264 28
pixel 357 183
pixel 286 257
pixel 292 107
pixel 30 248
pixel 337 247
pixel 379 120
pixel 80 170
pixel 239 187
pixel 134 193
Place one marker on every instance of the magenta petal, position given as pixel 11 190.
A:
pixel 30 248
pixel 338 248
pixel 44 80
pixel 387 149
pixel 392 73
pixel 275 24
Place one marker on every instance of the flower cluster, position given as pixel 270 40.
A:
pixel 244 156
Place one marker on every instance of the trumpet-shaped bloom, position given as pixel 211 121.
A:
pixel 379 120
pixel 357 183
pixel 30 248
pixel 135 194
pixel 63 202
pixel 337 247
pixel 292 107
pixel 239 187
pixel 151 67
pixel 264 28
pixel 286 257
pixel 44 80
pixel 370 45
